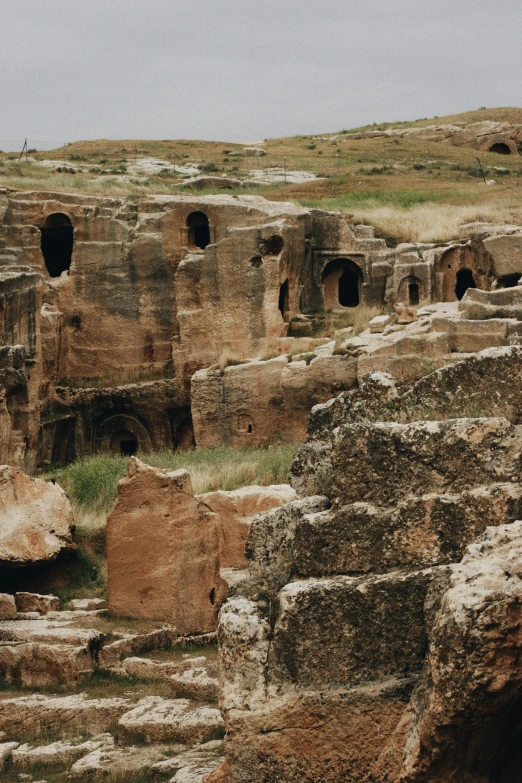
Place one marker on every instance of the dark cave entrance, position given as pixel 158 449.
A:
pixel 413 294
pixel 57 243
pixel 199 229
pixel 465 280
pixel 500 148
pixel 124 443
pixel 349 288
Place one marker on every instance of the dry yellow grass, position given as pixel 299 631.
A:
pixel 434 222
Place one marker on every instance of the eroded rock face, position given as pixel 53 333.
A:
pixel 386 462
pixel 163 551
pixel 36 520
pixel 322 648
pixel 235 511
pixel 466 712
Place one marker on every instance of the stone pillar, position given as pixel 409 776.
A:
pixel 163 551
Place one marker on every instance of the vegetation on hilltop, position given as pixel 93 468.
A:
pixel 409 189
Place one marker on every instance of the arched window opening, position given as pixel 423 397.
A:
pixel 57 243
pixel 199 229
pixel 283 304
pixel 413 294
pixel 465 280
pixel 124 443
pixel 349 288
pixel 184 439
pixel 500 148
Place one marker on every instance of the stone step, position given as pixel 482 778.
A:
pixel 60 752
pixel 156 720
pixel 199 684
pixel 306 538
pixel 159 670
pixel 61 716
pixel 385 462
pixel 36 664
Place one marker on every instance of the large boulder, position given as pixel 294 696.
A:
pixel 163 551
pixel 36 520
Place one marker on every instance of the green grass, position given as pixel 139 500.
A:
pixel 91 482
pixel 366 199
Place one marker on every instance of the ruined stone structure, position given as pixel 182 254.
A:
pixel 109 306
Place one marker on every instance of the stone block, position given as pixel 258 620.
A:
pixel 346 631
pixel 385 462
pixel 163 551
pixel 379 323
pixel 34 602
pixel 234 513
pixel 169 720
pixel 305 540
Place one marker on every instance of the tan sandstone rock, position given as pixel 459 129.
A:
pixel 156 720
pixel 235 511
pixel 62 716
pixel 36 520
pixel 163 551
pixel 7 606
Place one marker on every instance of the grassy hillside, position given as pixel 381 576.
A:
pixel 408 189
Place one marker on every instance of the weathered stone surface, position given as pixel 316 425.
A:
pixel 163 551
pixel 477 305
pixel 385 462
pixel 344 630
pixel 60 752
pixel 36 520
pixel 38 664
pixel 49 632
pixel 62 716
pixel 88 604
pixel 160 670
pixel 7 606
pixel 303 540
pixel 465 718
pixel 34 602
pixel 506 251
pixel 199 684
pixel 173 720
pixel 235 511
pixel 115 761
pixel 191 763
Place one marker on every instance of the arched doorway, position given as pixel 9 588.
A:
pixel 125 443
pixel 122 433
pixel 184 439
pixel 465 280
pixel 342 280
pixel 199 230
pixel 500 148
pixel 57 243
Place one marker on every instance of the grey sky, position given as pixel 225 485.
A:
pixel 242 70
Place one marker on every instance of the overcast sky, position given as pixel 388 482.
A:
pixel 243 70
